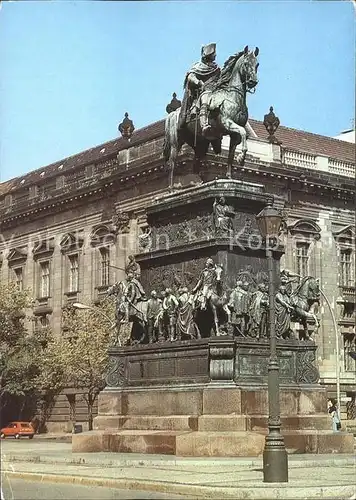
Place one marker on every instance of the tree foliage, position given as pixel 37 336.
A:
pixel 18 350
pixel 79 357
pixel 54 360
pixel 44 363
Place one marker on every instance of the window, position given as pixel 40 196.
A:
pixel 345 267
pixel 349 347
pixel 44 279
pixel 73 273
pixel 302 258
pixel 43 321
pixel 104 266
pixel 19 277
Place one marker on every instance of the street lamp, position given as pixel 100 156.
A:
pixel 79 305
pixel 275 458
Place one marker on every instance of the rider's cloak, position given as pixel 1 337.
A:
pixel 208 73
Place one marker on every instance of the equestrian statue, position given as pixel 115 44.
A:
pixel 131 309
pixel 305 295
pixel 209 297
pixel 214 105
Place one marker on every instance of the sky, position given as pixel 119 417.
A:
pixel 69 70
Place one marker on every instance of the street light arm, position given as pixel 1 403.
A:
pixel 79 305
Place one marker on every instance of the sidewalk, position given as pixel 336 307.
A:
pixel 63 437
pixel 310 476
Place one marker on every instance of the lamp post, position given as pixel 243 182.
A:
pixel 275 458
pixel 79 305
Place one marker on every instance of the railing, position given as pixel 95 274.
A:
pixel 348 290
pixel 341 168
pixel 299 159
pixel 130 158
pixel 295 158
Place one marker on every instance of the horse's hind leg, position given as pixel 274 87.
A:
pixel 216 145
pixel 305 329
pixel 234 140
pixel 171 165
pixel 142 339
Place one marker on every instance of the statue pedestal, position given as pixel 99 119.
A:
pixel 208 397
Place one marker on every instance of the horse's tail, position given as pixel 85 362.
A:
pixel 171 134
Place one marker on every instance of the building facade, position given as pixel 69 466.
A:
pixel 68 228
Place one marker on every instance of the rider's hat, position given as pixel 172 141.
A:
pixel 209 49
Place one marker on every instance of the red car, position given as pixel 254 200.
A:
pixel 17 430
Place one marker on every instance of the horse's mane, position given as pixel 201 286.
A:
pixel 225 74
pixel 301 284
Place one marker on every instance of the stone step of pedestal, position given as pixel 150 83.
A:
pixel 223 423
pixel 314 422
pixel 179 443
pixel 147 422
pixel 230 422
pixel 173 422
pixel 320 441
pixel 220 444
pixel 208 443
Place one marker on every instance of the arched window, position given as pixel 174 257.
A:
pixel 304 233
pixel 102 238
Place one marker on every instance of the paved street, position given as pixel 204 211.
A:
pixel 130 475
pixel 17 489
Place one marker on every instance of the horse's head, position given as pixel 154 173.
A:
pixel 313 290
pixel 248 66
pixel 114 290
pixel 218 272
pixel 308 289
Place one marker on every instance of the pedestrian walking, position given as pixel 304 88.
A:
pixel 333 411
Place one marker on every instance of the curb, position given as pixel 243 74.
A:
pixel 59 439
pixel 264 492
pixel 134 462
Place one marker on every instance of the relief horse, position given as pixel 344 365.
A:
pixel 304 296
pixel 129 313
pixel 216 304
pixel 228 115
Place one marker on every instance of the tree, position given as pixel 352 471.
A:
pixel 18 350
pixel 85 357
pixel 54 372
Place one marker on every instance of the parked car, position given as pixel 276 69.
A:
pixel 17 430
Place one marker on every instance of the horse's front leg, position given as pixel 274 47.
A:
pixel 316 325
pixel 235 131
pixel 303 316
pixel 228 313
pixel 216 321
pixel 241 157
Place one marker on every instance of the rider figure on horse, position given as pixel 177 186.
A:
pixel 199 84
pixel 287 278
pixel 206 285
pixel 133 267
pixel 133 293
